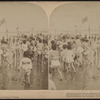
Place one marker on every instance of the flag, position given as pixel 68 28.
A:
pixel 2 21
pixel 85 19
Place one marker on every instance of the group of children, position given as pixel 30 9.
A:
pixel 69 52
pixel 21 52
pixel 63 53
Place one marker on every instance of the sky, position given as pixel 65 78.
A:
pixel 49 6
pixel 67 16
pixel 22 15
pixel 61 18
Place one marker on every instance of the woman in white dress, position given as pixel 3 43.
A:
pixel 70 58
pixel 54 59
pixel 39 50
pixel 62 57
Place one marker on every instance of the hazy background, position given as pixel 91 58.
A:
pixel 69 17
pixel 22 15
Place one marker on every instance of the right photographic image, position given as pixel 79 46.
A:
pixel 74 47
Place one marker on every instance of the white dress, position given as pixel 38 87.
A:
pixel 55 63
pixel 24 47
pixel 39 48
pixel 26 65
pixel 69 56
pixel 63 55
pixel 79 49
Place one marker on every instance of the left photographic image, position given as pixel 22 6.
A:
pixel 23 47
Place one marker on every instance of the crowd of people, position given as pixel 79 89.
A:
pixel 18 53
pixel 68 53
pixel 64 53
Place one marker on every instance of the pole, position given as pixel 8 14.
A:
pixel 6 33
pixel 89 29
pixel 55 34
pixel 96 52
pixel 76 29
pixel 16 48
pixel 32 31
